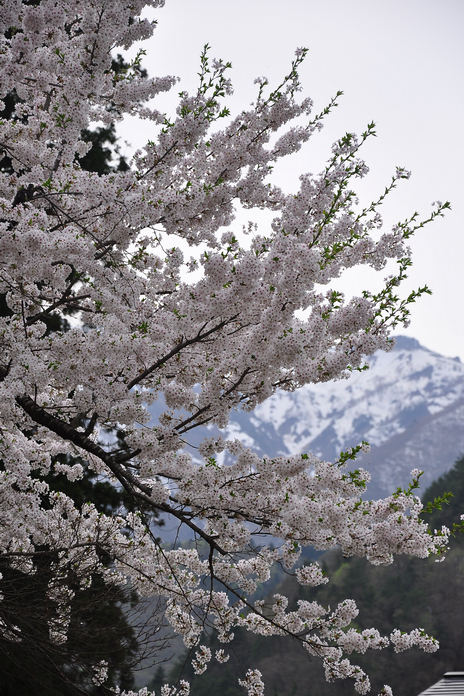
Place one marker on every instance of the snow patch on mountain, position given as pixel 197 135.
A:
pixel 404 397
pixel 400 387
pixel 409 405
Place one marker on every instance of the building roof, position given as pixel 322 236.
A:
pixel 452 684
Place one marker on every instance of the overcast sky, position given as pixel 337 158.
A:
pixel 400 64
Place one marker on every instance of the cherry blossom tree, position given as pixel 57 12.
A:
pixel 258 315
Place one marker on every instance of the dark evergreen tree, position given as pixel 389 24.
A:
pixel 158 680
pixel 449 513
pixel 104 155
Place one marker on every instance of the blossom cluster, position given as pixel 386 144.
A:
pixel 261 316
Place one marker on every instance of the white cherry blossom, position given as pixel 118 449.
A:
pixel 99 246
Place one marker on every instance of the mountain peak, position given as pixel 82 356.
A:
pixel 409 406
pixel 407 343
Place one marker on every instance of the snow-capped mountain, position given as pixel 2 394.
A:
pixel 409 406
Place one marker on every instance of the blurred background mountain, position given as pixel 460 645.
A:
pixel 409 406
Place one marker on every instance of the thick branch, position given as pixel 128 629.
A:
pixel 130 483
pixel 65 299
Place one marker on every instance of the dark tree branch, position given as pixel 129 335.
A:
pixel 180 346
pixel 159 160
pixel 129 482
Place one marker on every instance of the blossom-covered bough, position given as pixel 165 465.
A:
pixel 100 247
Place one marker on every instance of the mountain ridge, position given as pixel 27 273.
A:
pixel 409 405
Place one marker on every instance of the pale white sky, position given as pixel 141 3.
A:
pixel 400 64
